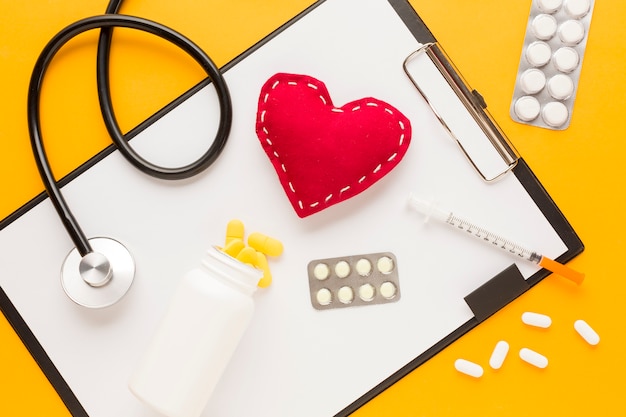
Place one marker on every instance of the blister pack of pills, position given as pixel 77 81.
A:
pixel 549 68
pixel 354 280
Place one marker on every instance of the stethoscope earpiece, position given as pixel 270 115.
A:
pixel 100 278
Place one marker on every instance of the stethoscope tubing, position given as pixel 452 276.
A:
pixel 107 22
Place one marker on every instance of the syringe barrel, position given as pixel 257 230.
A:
pixel 491 238
pixel 429 209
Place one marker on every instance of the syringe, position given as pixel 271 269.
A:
pixel 428 209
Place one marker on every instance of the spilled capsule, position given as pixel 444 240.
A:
pixel 234 230
pixel 533 358
pixel 586 332
pixel 468 368
pixel 262 264
pixel 248 256
pixel 537 320
pixel 233 247
pixel 499 354
pixel 265 244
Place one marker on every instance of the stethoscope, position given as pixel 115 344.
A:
pixel 98 272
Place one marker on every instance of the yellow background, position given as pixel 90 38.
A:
pixel 581 168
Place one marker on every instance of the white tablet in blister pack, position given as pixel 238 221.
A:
pixel 549 68
pixel 354 280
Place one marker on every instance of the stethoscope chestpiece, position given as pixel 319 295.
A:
pixel 100 278
pixel 100 271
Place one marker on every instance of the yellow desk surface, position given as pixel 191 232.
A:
pixel 580 167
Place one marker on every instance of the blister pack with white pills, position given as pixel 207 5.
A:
pixel 549 68
pixel 354 280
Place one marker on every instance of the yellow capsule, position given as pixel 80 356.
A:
pixel 262 263
pixel 248 256
pixel 265 244
pixel 234 230
pixel 233 247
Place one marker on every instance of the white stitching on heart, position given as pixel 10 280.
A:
pixel 335 110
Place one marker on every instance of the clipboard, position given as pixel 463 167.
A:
pixel 293 360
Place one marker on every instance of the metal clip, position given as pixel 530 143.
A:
pixel 461 111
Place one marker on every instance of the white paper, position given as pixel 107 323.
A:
pixel 294 360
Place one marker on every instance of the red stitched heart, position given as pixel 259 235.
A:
pixel 325 154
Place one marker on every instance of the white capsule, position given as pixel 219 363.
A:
pixel 468 368
pixel 533 358
pixel 549 6
pixel 572 32
pixel 321 271
pixel 533 81
pixel 388 290
pixel 577 8
pixel 345 294
pixel 536 320
pixel 586 332
pixel 367 292
pixel 385 265
pixel 555 113
pixel 527 108
pixel 544 26
pixel 538 53
pixel 342 269
pixel 566 59
pixel 364 267
pixel 499 354
pixel 324 296
pixel 561 86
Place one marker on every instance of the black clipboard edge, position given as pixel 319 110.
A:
pixel 565 231
pixel 421 32
pixel 413 21
pixel 551 211
pixel 409 367
pixel 541 198
pixel 40 356
pixel 6 306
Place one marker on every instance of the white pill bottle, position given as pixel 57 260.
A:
pixel 207 316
